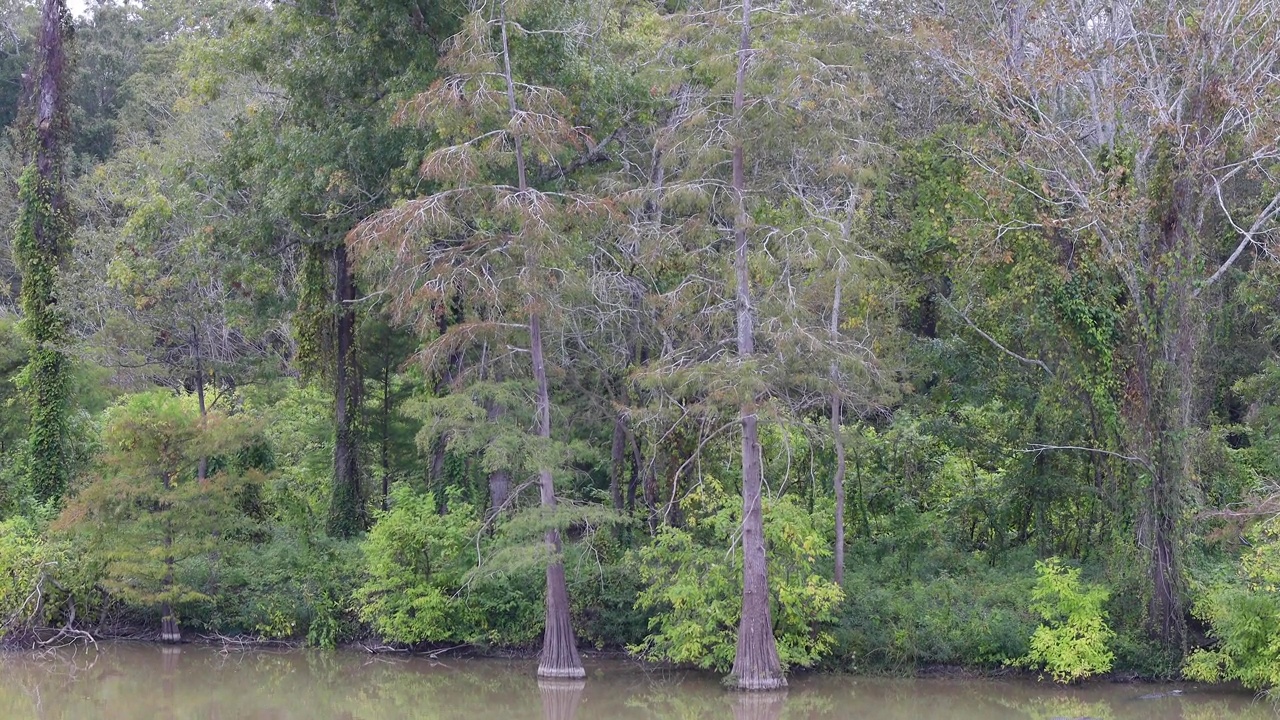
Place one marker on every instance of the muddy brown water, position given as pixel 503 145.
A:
pixel 136 681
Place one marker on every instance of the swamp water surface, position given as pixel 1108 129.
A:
pixel 193 682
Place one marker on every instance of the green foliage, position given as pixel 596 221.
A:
pixel 1072 642
pixel 694 587
pixel 416 559
pixel 1244 619
pixel 287 585
pixel 144 511
pixel 945 608
pixel 22 560
pixel 39 247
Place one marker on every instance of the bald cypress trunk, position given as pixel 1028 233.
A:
pixel 755 662
pixel 559 657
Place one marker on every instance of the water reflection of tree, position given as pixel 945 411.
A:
pixel 759 706
pixel 560 698
pixel 141 681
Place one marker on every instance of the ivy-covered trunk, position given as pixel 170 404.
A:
pixel 346 507
pixel 43 234
pixel 756 665
pixel 1166 414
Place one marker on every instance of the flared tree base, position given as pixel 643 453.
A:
pixel 756 683
pixel 563 673
pixel 169 632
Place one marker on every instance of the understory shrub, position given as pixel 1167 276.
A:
pixel 961 612
pixel 693 582
pixel 1244 619
pixel 416 562
pixel 291 585
pixel 1073 641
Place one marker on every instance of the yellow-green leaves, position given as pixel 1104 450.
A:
pixel 1072 642
pixel 694 581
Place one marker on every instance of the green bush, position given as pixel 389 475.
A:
pixel 290 585
pixel 416 561
pixel 1244 619
pixel 506 609
pixel 693 582
pixel 970 613
pixel 22 559
pixel 603 594
pixel 1073 641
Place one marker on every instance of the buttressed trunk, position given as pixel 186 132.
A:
pixel 756 665
pixel 559 658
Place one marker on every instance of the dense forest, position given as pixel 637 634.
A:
pixel 753 336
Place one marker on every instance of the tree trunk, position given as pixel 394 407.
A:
pixel 499 480
pixel 633 483
pixel 169 631
pixel 617 459
pixel 202 468
pixel 40 246
pixel 755 662
pixel 559 658
pixel 837 436
pixel 386 416
pixel 841 463
pixel 346 505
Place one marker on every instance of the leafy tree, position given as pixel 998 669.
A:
pixel 1155 200
pixel 147 511
pixel 417 560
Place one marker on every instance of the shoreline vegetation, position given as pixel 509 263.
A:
pixel 753 336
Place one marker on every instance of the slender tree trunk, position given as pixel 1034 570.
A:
pixel 755 662
pixel 202 468
pixel 837 434
pixel 169 631
pixel 346 505
pixel 559 657
pixel 637 460
pixel 499 480
pixel 617 459
pixel 40 246
pixel 386 416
